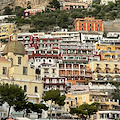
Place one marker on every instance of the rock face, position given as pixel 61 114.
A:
pixel 26 3
pixel 23 3
pixel 4 3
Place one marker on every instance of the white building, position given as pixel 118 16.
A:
pixel 90 37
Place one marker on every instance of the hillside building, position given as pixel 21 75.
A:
pixel 88 24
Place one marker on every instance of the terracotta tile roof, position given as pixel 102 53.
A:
pixel 3 60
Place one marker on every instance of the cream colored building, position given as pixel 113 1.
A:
pixel 109 51
pixel 75 99
pixel 14 69
pixel 6 29
pixel 105 70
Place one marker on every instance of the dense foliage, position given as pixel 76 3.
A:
pixel 54 95
pixel 14 95
pixel 116 92
pixel 85 110
pixel 50 19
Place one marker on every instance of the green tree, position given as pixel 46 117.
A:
pixel 7 11
pixel 14 95
pixel 55 4
pixel 19 11
pixel 85 110
pixel 39 107
pixel 116 91
pixel 54 95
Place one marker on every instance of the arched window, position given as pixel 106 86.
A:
pixel 25 88
pixel 36 89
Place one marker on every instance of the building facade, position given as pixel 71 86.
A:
pixel 30 12
pixel 76 99
pixel 14 69
pixel 105 70
pixel 6 29
pixel 73 5
pixel 88 24
pixel 109 51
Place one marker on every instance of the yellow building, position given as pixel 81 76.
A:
pixel 105 70
pixel 6 29
pixel 109 52
pixel 76 99
pixel 14 69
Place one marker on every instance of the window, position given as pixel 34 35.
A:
pixel 113 56
pixel 48 41
pixel 24 70
pixel 90 25
pixel 48 45
pixel 40 46
pixel 84 58
pixel 25 88
pixel 76 99
pixel 49 60
pixel 36 89
pixel 55 40
pixel 71 58
pixel 19 60
pixel 41 41
pixel 4 70
pixel 53 70
pixel 37 52
pixel 37 71
pixel 29 52
pixel 64 58
pixel 98 29
pixel 78 58
pixel 44 60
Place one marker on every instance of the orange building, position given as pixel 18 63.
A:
pixel 88 24
pixel 76 74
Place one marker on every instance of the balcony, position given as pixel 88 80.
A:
pixel 116 68
pixel 69 74
pixel 62 75
pixel 88 75
pixel 55 53
pixel 55 83
pixel 61 68
pixel 82 68
pixel 68 67
pixel 82 74
pixel 98 68
pixel 107 68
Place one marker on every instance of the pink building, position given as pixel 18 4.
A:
pixel 30 12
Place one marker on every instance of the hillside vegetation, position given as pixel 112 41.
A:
pixel 48 20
